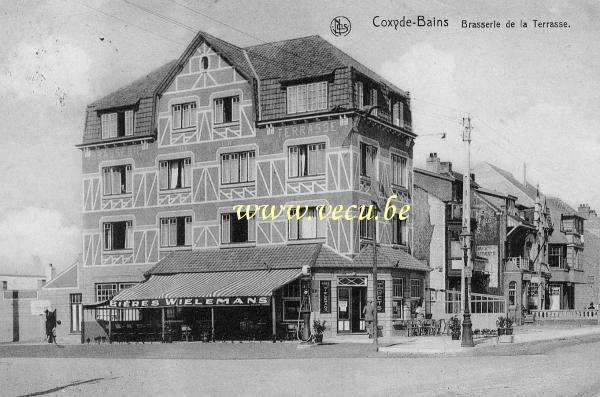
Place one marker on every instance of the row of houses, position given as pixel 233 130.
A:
pixel 166 159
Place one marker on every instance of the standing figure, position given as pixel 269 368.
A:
pixel 369 313
pixel 51 323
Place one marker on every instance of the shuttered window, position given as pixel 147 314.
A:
pixel 234 230
pixel 238 167
pixel 307 97
pixel 117 179
pixel 306 160
pixel 117 124
pixel 175 174
pixel 176 232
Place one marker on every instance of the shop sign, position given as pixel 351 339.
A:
pixel 325 296
pixel 380 296
pixel 193 302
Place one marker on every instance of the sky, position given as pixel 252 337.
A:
pixel 533 94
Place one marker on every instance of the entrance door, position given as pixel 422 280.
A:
pixel 555 297
pixel 351 301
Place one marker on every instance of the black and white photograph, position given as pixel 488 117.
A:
pixel 299 198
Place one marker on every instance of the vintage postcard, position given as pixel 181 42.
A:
pixel 268 198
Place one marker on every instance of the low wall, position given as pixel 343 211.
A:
pixel 584 316
pixel 479 320
pixel 17 324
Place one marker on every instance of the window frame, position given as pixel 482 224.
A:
pixel 178 121
pixel 108 244
pixel 512 293
pixel 76 310
pixel 374 150
pixel 126 170
pixel 419 285
pixel 298 97
pixel 320 225
pixel 402 225
pixel 184 169
pixel 175 220
pixel 250 156
pixel 250 231
pixel 235 110
pixel 320 149
pixel 365 230
pixel 110 124
pixel 399 163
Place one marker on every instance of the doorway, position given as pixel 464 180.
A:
pixel 351 301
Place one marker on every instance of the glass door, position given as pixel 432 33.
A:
pixel 344 309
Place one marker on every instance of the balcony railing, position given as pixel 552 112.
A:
pixel 521 263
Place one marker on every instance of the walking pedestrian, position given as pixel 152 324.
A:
pixel 51 323
pixel 369 314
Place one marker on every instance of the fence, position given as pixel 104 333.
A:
pixel 480 303
pixel 565 315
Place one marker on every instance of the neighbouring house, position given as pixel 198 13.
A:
pixel 561 227
pixel 166 159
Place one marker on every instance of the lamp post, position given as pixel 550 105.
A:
pixel 467 270
pixel 467 326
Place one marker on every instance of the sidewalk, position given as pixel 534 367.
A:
pixel 445 345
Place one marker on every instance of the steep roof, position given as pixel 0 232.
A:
pixel 305 56
pixel 389 257
pixel 528 189
pixel 144 87
pixel 68 278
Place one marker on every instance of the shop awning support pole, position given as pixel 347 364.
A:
pixel 273 313
pixel 162 312
pixel 110 312
pixel 212 323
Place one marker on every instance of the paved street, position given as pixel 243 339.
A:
pixel 565 368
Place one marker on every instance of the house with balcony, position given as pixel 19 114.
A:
pixel 167 158
pixel 560 245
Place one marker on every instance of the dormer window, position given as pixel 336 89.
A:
pixel 307 97
pixel 117 124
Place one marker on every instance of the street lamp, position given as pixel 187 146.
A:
pixel 467 326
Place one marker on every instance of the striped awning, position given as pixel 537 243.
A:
pixel 206 289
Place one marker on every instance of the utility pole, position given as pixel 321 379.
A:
pixel 467 270
pixel 375 327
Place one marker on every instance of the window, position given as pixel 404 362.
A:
pixel 399 231
pixel 176 232
pixel 107 291
pixel 373 101
pixel 399 171
pixel 359 94
pixel 291 301
pixel 184 116
pixel 117 179
pixel 76 312
pixel 175 174
pixel 306 160
pixel 227 110
pixel 307 97
pixel 204 63
pixel 308 227
pixel 416 291
pixel 368 160
pixel 397 108
pixel 456 249
pixel 555 256
pixel 117 236
pixel 234 230
pixel 533 289
pixel 238 167
pixel 397 287
pixel 368 228
pixel 117 124
pixel 512 293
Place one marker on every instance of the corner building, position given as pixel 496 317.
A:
pixel 166 159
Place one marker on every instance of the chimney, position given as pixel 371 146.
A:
pixel 50 272
pixel 525 174
pixel 4 285
pixel 445 167
pixel 584 211
pixel 433 163
pixel 472 177
pixel 41 283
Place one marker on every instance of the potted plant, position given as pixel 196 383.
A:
pixel 454 325
pixel 500 325
pixel 318 329
pixel 509 326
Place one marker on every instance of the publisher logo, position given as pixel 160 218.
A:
pixel 340 26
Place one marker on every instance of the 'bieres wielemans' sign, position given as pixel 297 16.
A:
pixel 192 302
